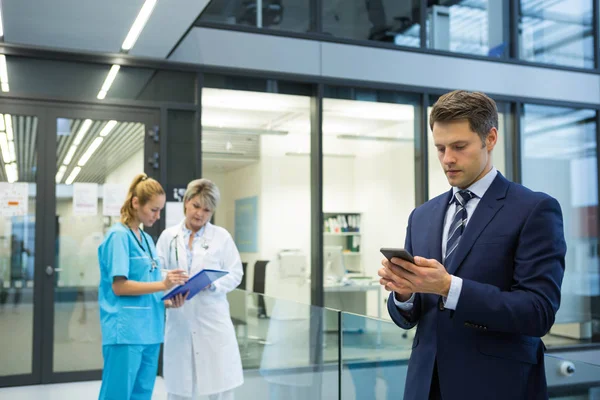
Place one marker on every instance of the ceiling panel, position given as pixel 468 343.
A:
pixel 98 26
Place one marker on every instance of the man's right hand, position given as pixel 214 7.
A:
pixel 392 282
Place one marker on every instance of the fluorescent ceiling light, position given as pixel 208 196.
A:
pixel 2 126
pixel 90 150
pixel 12 174
pixel 61 173
pixel 108 128
pixel 4 148
pixel 243 131
pixel 225 153
pixel 376 138
pixel 8 123
pixel 85 127
pixel 73 175
pixel 11 151
pixel 3 73
pixel 138 25
pixel 112 74
pixel 333 155
pixel 69 155
pixel 1 22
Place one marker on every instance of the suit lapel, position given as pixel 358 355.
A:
pixel 491 202
pixel 436 226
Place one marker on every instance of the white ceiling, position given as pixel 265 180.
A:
pixel 98 26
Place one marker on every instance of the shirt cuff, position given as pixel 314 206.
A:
pixel 451 301
pixel 406 305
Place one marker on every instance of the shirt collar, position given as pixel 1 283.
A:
pixel 481 186
pixel 187 232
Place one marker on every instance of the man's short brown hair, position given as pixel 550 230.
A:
pixel 460 105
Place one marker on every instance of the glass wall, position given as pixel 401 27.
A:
pixel 388 21
pixel 256 148
pixel 368 190
pixel 438 183
pixel 557 32
pixel 560 143
pixel 291 16
pixel 468 26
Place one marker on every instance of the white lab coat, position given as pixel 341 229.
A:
pixel 199 336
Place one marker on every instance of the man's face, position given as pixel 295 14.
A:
pixel 464 158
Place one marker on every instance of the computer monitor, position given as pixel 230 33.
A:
pixel 333 261
pixel 292 264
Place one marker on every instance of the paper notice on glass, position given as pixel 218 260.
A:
pixel 113 196
pixel 173 213
pixel 85 199
pixel 14 199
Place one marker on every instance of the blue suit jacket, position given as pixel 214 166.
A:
pixel 511 258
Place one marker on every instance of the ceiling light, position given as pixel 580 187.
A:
pixel 69 155
pixel 108 128
pixel 112 74
pixel 11 151
pixel 138 25
pixel 377 138
pixel 12 174
pixel 82 131
pixel 3 73
pixel 1 22
pixel 2 126
pixel 4 148
pixel 61 173
pixel 90 150
pixel 243 131
pixel 334 155
pixel 73 175
pixel 8 123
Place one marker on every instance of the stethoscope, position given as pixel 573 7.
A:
pixel 204 246
pixel 153 263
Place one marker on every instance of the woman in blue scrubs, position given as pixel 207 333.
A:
pixel 131 310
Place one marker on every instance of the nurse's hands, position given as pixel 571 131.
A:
pixel 175 277
pixel 177 301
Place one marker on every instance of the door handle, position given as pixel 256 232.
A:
pixel 50 271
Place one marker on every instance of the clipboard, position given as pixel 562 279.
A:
pixel 196 283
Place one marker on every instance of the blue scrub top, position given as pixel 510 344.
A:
pixel 129 319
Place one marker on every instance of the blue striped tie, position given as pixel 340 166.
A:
pixel 461 198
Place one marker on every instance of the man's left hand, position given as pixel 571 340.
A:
pixel 424 276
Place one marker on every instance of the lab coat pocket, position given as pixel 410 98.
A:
pixel 211 261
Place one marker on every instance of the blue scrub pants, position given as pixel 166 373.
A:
pixel 129 371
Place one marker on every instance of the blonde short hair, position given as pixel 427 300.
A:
pixel 209 193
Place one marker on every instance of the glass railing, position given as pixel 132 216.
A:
pixel 296 351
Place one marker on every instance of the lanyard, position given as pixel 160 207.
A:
pixel 147 253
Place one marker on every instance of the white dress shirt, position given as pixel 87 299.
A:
pixel 478 189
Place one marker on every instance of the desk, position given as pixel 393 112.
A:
pixel 351 299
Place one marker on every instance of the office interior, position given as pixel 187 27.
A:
pixel 328 162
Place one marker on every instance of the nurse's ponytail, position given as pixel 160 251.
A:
pixel 144 188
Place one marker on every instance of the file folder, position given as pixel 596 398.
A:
pixel 196 283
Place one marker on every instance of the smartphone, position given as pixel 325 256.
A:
pixel 390 253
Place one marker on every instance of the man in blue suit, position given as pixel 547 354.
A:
pixel 485 284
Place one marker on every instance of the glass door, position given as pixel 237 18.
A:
pixel 20 289
pixel 97 154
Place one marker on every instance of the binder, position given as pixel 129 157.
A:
pixel 196 283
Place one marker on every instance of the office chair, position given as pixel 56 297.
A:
pixel 260 270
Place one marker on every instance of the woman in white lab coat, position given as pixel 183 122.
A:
pixel 201 354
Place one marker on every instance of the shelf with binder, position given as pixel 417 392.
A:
pixel 342 230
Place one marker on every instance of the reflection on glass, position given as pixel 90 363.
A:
pixel 561 143
pixel 96 160
pixel 388 21
pixel 256 147
pixel 438 183
pixel 368 192
pixel 17 241
pixel 272 14
pixel 467 26
pixel 557 32
pixel 296 358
